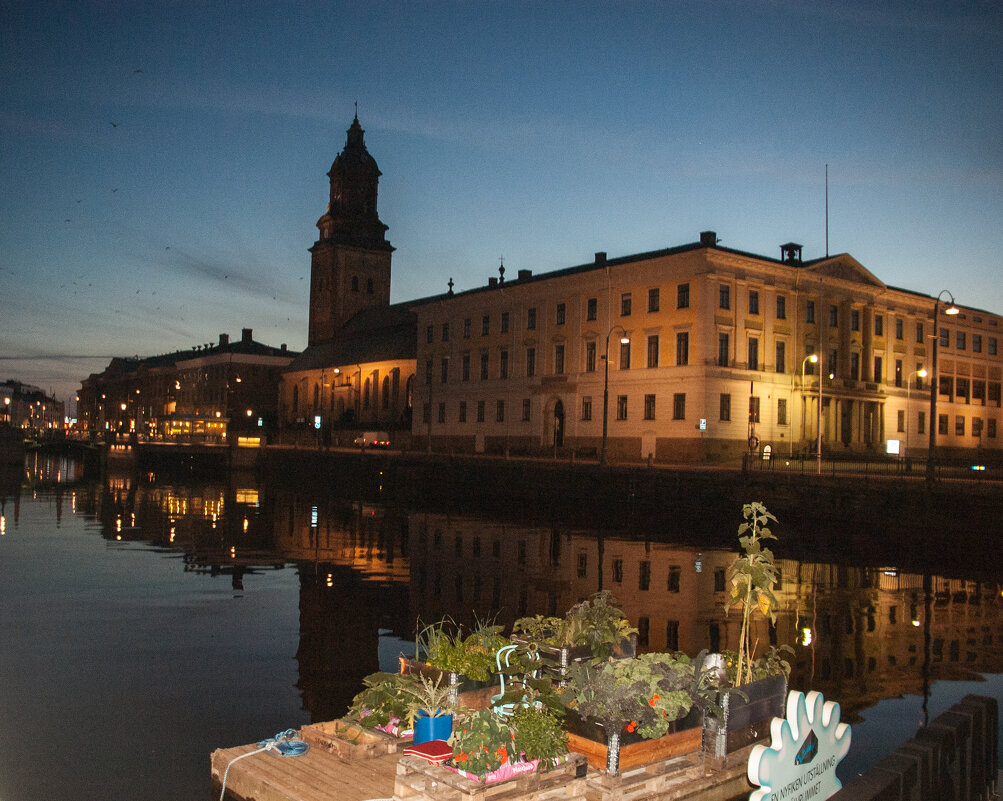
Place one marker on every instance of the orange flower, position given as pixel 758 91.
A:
pixel 631 726
pixel 654 698
pixel 463 756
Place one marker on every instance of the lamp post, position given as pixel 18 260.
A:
pixel 813 358
pixel 922 374
pixel 603 461
pixel 935 380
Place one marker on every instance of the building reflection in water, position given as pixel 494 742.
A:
pixel 860 634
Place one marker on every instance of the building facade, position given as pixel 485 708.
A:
pixel 702 353
pixel 30 408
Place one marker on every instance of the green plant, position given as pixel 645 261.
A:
pixel 597 622
pixel 644 694
pixel 752 576
pixel 386 697
pixel 772 663
pixel 483 742
pixel 472 655
pixel 539 734
pixel 430 696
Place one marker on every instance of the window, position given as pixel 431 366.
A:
pixel 504 322
pixel 679 406
pixel 898 372
pixel 781 357
pixel 946 385
pixel 781 411
pixel 530 319
pixel 621 407
pixel 854 319
pixel 465 368
pixel 583 564
pixel 675 574
pixel 624 355
pixel 561 313
pixel 559 359
pixel 484 367
pixel 445 332
pixel 586 407
pixel 723 351
pixel 945 338
pixel 942 424
pixel 720 579
pixel 753 302
pixel 833 361
pixel 833 316
pixel 444 370
pixel 428 372
pixel 961 340
pixel 530 362
pixel 855 366
pixel 921 423
pixel 466 328
pixel 590 357
pixel 879 375
pixel 752 362
pixel 959 426
pixel 643 631
pixel 991 428
pixel 591 309
pixel 809 312
pixel 978 390
pixel 724 297
pixel 485 325
pixel 976 343
pixel 879 325
pixel 654 299
pixel 617 571
pixel 462 416
pixel 683 296
pixel 526 408
pixel 976 426
pixel 625 304
pixel 653 351
pixel 500 411
pixel 649 407
pixel 425 413
pixel 369 285
pixel 503 364
pixel 682 348
pixel 992 346
pixel 672 635
pixel 901 421
pixel 781 307
pixel 430 334
pixel 725 414
pixel 644 577
pixel 753 409
pixel 480 411
pixel 961 388
pixel 442 411
pixel 919 333
pixel 993 392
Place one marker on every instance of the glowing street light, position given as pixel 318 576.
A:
pixel 624 340
pixel 934 379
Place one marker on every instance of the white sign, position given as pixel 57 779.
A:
pixel 893 446
pixel 800 763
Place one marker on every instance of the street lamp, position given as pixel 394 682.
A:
pixel 603 462
pixel 813 358
pixel 922 374
pixel 934 379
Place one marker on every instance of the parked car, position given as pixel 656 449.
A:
pixel 373 439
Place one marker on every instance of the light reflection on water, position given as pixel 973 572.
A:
pixel 145 625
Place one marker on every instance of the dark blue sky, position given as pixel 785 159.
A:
pixel 164 163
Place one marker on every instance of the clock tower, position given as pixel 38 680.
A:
pixel 350 261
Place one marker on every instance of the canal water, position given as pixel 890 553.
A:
pixel 145 623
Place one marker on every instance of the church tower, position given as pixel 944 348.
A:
pixel 350 261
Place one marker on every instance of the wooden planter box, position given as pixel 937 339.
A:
pixel 419 781
pixel 349 740
pixel 462 691
pixel 745 721
pixel 565 655
pixel 590 741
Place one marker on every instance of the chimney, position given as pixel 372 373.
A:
pixel 600 258
pixel 492 281
pixel 245 336
pixel 525 274
pixel 224 341
pixel 708 238
pixel 282 347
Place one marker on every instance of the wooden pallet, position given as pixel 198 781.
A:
pixel 419 781
pixel 348 740
pixel 642 753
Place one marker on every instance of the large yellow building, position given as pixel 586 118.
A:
pixel 709 355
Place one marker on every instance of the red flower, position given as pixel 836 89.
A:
pixel 631 726
pixel 463 756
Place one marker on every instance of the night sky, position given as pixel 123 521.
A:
pixel 164 163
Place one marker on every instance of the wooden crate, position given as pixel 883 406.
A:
pixel 419 781
pixel 349 740
pixel 642 753
pixel 681 778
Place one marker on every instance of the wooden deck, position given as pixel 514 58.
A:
pixel 316 776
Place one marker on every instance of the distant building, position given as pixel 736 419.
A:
pixel 30 408
pixel 203 393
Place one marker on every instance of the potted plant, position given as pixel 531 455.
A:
pixel 593 629
pixel 429 709
pixel 640 699
pixel 751 690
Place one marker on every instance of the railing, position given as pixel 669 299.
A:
pixel 974 469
